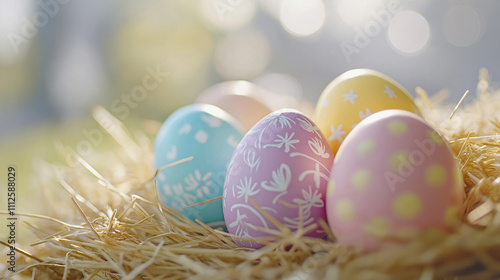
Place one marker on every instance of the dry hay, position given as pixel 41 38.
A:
pixel 109 224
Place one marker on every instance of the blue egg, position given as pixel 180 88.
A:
pixel 209 135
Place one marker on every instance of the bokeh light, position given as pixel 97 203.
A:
pixel 228 15
pixel 462 26
pixel 281 84
pixel 357 12
pixel 76 80
pixel 302 17
pixel 13 16
pixel 242 55
pixel 272 7
pixel 408 32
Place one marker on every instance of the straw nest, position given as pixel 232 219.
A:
pixel 108 223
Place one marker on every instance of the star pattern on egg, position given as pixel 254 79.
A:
pixel 337 133
pixel 366 113
pixel 350 96
pixel 390 92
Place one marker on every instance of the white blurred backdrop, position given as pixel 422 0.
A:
pixel 59 58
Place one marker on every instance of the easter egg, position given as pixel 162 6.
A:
pixel 353 96
pixel 282 164
pixel 393 174
pixel 245 101
pixel 209 135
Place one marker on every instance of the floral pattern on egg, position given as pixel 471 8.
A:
pixel 393 174
pixel 209 135
pixel 284 161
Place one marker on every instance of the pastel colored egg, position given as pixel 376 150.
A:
pixel 245 101
pixel 283 163
pixel 392 175
pixel 353 96
pixel 209 135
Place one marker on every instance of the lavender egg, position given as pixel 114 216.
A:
pixel 283 164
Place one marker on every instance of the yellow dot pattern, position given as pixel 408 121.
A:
pixel 435 137
pixel 330 188
pixel 361 179
pixel 407 206
pixel 435 175
pixel 345 210
pixel 366 147
pixel 397 159
pixel 378 227
pixel 452 216
pixel 397 127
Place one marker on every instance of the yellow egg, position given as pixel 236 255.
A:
pixel 354 95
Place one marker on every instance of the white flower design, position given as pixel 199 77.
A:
pixel 317 175
pixel 311 199
pixel 189 199
pixel 276 119
pixel 281 180
pixel 318 148
pixel 251 159
pixel 239 223
pixel 283 120
pixel 308 126
pixel 252 211
pixel 295 222
pixel 246 188
pixel 172 154
pixel 199 184
pixel 286 140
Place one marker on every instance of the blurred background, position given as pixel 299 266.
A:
pixel 59 58
pixel 143 59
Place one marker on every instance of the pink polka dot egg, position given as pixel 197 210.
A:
pixel 392 175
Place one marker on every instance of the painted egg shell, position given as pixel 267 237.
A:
pixel 243 100
pixel 392 175
pixel 208 134
pixel 284 161
pixel 354 95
